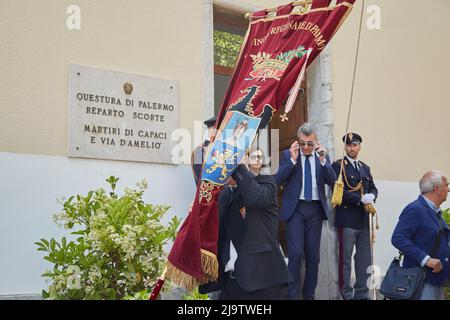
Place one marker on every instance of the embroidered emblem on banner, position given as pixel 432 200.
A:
pixel 220 160
pixel 264 67
pixel 206 188
pixel 237 131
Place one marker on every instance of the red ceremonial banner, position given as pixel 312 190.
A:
pixel 276 51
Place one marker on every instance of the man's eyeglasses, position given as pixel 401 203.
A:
pixel 309 143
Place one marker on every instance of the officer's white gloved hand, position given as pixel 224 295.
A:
pixel 368 198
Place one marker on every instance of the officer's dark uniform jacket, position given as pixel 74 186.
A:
pixel 351 214
pixel 197 158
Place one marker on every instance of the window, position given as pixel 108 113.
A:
pixel 229 31
pixel 226 48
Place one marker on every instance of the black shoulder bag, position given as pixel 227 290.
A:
pixel 406 283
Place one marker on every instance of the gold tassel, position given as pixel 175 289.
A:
pixel 370 209
pixel 338 192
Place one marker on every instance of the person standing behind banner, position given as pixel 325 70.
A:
pixel 419 225
pixel 198 154
pixel 251 264
pixel 352 221
pixel 305 169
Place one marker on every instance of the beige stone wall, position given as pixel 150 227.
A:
pixel 401 103
pixel 155 38
pixel 266 3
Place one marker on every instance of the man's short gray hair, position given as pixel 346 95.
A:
pixel 307 129
pixel 430 180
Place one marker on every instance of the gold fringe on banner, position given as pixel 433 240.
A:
pixel 181 278
pixel 210 267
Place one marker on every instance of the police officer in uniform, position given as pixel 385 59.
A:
pixel 352 221
pixel 198 154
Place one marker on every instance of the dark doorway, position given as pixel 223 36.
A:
pixel 229 31
pixel 287 135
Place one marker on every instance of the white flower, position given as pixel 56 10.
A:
pixel 128 246
pixel 60 218
pixel 89 290
pixel 148 282
pixel 115 237
pixel 61 200
pixel 98 219
pixel 59 282
pixel 110 230
pixel 142 184
pixel 151 224
pixel 94 238
pixel 146 263
pixel 94 274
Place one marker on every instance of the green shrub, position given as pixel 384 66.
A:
pixel 195 295
pixel 446 216
pixel 117 246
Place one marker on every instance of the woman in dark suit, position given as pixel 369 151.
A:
pixel 251 263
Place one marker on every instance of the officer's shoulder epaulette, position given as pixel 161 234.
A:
pixel 339 161
pixel 363 164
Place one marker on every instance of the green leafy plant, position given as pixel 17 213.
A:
pixel 141 295
pixel 195 295
pixel 117 246
pixel 446 216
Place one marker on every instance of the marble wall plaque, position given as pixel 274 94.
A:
pixel 121 116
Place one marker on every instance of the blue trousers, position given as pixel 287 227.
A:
pixel 431 292
pixel 303 234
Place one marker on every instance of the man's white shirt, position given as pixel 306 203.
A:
pixel 312 161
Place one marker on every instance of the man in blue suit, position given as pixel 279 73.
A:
pixel 419 225
pixel 304 169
